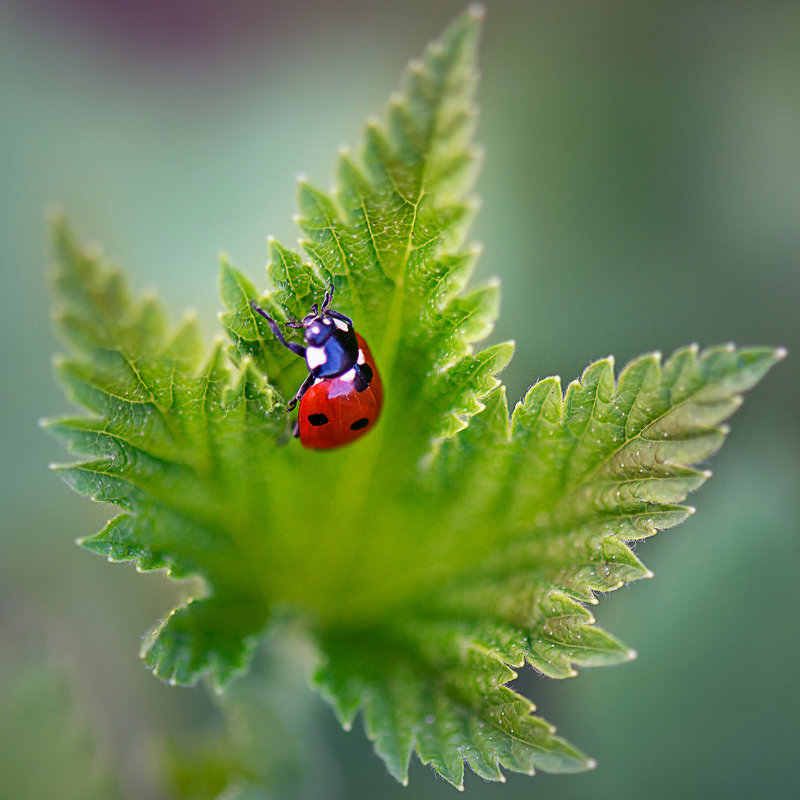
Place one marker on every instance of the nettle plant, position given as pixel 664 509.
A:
pixel 446 549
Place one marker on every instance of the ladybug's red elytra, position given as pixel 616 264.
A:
pixel 341 398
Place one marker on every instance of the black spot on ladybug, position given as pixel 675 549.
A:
pixel 318 419
pixel 363 378
pixel 359 424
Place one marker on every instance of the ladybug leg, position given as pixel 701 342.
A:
pixel 336 315
pixel 297 349
pixel 296 430
pixel 304 387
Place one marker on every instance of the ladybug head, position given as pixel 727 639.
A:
pixel 317 325
pixel 318 328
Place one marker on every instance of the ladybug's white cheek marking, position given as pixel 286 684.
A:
pixel 348 376
pixel 315 357
pixel 315 329
pixel 361 358
pixel 342 326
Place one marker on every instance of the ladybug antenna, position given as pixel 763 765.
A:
pixel 328 299
pixel 314 310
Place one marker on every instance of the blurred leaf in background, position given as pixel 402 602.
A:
pixel 269 742
pixel 49 749
pixel 641 189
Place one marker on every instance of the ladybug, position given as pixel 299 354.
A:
pixel 341 398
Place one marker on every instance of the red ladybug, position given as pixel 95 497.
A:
pixel 341 398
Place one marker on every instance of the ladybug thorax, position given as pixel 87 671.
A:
pixel 331 346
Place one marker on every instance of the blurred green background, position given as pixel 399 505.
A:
pixel 641 191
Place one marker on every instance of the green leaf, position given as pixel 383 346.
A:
pixel 451 546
